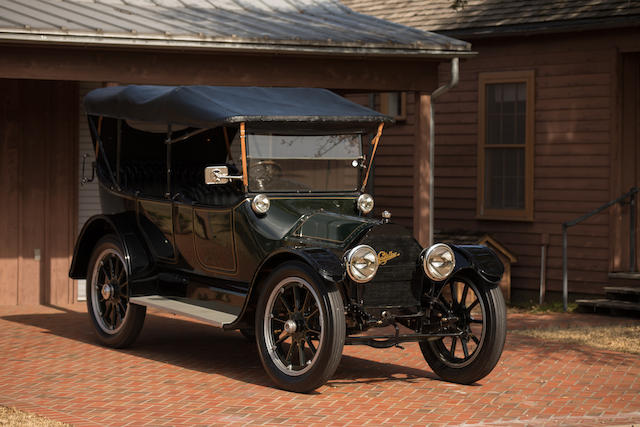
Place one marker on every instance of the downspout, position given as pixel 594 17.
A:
pixel 455 74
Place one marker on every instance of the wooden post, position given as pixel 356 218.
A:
pixel 421 196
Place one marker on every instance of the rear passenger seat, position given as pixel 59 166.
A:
pixel 144 178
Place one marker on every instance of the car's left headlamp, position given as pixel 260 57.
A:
pixel 260 204
pixel 362 263
pixel 365 203
pixel 438 262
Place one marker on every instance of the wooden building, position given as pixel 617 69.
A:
pixel 53 52
pixel 543 127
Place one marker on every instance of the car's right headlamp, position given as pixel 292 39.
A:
pixel 438 262
pixel 362 263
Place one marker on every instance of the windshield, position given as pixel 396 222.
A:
pixel 304 163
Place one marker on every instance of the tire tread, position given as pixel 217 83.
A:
pixel 492 348
pixel 135 320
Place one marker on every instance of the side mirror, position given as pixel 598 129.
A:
pixel 214 175
pixel 84 179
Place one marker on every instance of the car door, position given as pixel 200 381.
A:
pixel 203 224
pixel 213 239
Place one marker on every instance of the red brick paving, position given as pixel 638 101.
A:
pixel 185 373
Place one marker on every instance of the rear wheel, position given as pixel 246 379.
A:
pixel 475 316
pixel 116 321
pixel 300 328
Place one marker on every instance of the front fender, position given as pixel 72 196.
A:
pixel 327 264
pixel 123 225
pixel 480 259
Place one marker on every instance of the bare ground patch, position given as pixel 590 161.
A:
pixel 622 338
pixel 15 417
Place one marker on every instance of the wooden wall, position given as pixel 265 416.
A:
pixel 576 144
pixel 38 140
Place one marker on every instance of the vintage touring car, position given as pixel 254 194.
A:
pixel 247 208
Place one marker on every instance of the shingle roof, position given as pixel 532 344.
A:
pixel 314 26
pixel 485 17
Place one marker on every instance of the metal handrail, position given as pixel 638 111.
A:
pixel 631 194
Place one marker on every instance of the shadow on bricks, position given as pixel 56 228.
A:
pixel 200 347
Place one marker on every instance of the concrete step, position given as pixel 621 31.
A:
pixel 622 290
pixel 215 317
pixel 630 307
pixel 622 293
pixel 625 275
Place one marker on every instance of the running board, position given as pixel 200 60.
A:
pixel 208 315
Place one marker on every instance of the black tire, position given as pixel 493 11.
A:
pixel 483 325
pixel 248 333
pixel 300 328
pixel 115 320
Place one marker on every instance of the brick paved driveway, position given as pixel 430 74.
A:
pixel 181 372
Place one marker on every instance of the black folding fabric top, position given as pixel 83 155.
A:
pixel 209 106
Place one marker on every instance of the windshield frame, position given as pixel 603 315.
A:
pixel 360 158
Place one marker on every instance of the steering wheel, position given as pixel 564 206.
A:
pixel 263 172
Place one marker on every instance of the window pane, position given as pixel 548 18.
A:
pixel 494 97
pixel 521 127
pixel 509 127
pixel 274 146
pixel 522 99
pixel 493 131
pixel 393 104
pixel 506 113
pixel 302 175
pixel 303 163
pixel 504 178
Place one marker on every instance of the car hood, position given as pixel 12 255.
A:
pixel 332 227
pixel 313 221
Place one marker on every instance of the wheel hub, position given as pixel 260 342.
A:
pixel 106 291
pixel 290 326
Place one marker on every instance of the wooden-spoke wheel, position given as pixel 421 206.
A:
pixel 109 293
pixel 293 326
pixel 461 303
pixel 474 317
pixel 300 328
pixel 117 322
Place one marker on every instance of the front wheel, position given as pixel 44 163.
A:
pixel 475 318
pixel 300 328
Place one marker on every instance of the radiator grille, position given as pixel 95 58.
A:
pixel 393 286
pixel 398 282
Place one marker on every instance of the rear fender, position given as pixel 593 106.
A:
pixel 482 260
pixel 123 225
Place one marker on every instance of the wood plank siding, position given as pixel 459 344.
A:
pixel 88 194
pixel 38 143
pixel 576 151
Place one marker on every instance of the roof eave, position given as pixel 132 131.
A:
pixel 542 28
pixel 235 45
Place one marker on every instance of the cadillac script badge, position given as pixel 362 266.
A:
pixel 384 256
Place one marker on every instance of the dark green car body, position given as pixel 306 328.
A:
pixel 189 227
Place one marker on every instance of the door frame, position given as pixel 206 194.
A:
pixel 625 167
